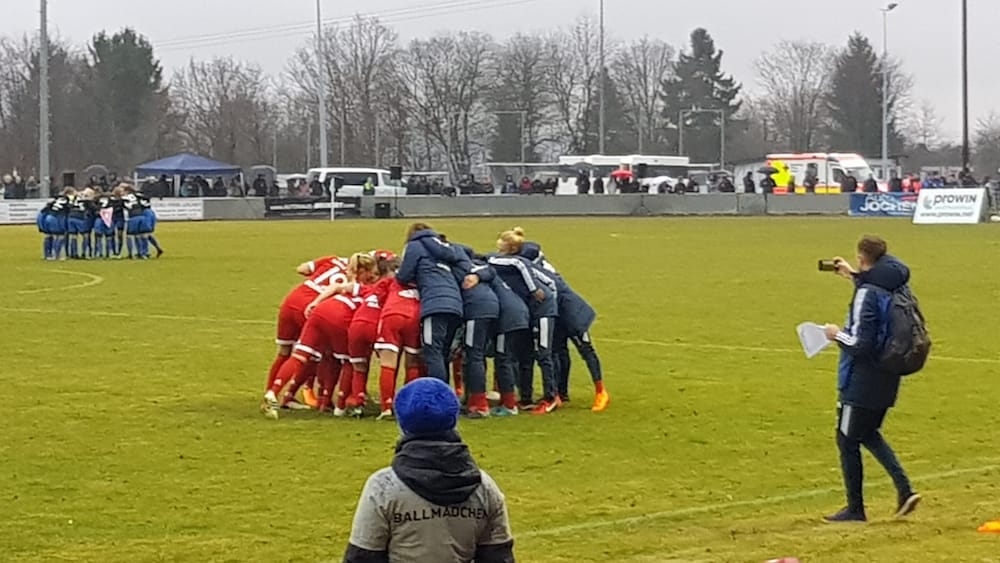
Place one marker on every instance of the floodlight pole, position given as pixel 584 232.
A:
pixel 44 128
pixel 324 148
pixel 885 90
pixel 965 86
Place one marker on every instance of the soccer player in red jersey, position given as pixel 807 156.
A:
pixel 398 333
pixel 320 274
pixel 328 317
pixel 364 329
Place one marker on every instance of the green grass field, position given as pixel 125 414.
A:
pixel 131 431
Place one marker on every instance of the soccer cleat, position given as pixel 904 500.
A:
pixel 546 406
pixel 908 504
pixel 356 412
pixel 846 515
pixel 477 414
pixel 386 415
pixel 309 398
pixel 339 412
pixel 159 252
pixel 526 404
pixel 270 406
pixel 503 411
pixel 294 405
pixel 601 401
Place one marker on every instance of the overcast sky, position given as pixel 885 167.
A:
pixel 925 34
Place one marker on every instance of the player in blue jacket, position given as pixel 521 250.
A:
pixel 51 222
pixel 512 345
pixel 433 266
pixel 482 308
pixel 537 290
pixel 575 319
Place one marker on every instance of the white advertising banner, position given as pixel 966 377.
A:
pixel 17 212
pixel 180 209
pixel 957 206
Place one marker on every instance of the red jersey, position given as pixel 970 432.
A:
pixel 327 271
pixel 401 301
pixel 372 297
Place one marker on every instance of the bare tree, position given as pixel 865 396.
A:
pixel 923 126
pixel 449 77
pixel 987 145
pixel 794 79
pixel 575 75
pixel 226 108
pixel 639 68
pixel 522 72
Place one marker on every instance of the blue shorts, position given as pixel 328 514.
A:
pixel 150 216
pixel 101 229
pixel 138 225
pixel 118 224
pixel 51 224
pixel 77 226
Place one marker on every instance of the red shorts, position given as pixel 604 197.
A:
pixel 361 341
pixel 291 319
pixel 326 331
pixel 399 333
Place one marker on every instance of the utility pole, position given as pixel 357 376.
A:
pixel 965 85
pixel 44 130
pixel 885 89
pixel 324 148
pixel 600 90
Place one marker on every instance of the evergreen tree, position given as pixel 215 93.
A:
pixel 855 101
pixel 699 83
pixel 620 136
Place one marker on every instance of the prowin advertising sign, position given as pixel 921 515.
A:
pixel 958 206
pixel 883 204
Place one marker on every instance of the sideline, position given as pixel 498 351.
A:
pixel 92 280
pixel 722 506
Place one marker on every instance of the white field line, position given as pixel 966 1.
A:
pixel 723 506
pixel 92 280
pixel 663 343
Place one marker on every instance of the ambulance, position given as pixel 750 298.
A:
pixel 829 170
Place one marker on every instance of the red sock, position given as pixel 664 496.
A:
pixel 359 385
pixel 599 386
pixel 279 361
pixel 509 400
pixel 456 372
pixel 414 373
pixel 478 401
pixel 346 377
pixel 288 372
pixel 305 373
pixel 327 381
pixel 387 386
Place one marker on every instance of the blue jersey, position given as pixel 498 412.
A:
pixel 524 278
pixel 81 209
pixel 135 205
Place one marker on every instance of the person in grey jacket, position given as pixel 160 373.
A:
pixel 433 504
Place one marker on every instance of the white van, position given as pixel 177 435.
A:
pixel 355 178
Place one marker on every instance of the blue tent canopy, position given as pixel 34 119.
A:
pixel 186 164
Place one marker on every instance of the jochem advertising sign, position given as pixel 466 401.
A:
pixel 883 204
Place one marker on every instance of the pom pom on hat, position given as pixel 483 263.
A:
pixel 426 406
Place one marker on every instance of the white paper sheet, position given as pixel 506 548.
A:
pixel 813 338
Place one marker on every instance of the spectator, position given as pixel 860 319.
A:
pixel 850 184
pixel 433 504
pixel 525 187
pixel 7 187
pixel 582 183
pixel 236 187
pixel 537 186
pixel 895 184
pixel 726 185
pixel 767 185
pixel 260 186
pixel 509 187
pixel 749 187
pixel 599 185
pixel 810 183
pixel 551 185
pixel 871 186
pixel 791 185
pixel 31 189
pixel 692 186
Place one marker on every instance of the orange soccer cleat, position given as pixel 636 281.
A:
pixel 309 398
pixel 990 527
pixel 601 401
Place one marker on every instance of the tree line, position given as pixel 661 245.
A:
pixel 453 100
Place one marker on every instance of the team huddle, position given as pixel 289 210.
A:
pixel 440 310
pixel 90 224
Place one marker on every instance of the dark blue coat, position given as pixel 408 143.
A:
pixel 575 314
pixel 434 266
pixel 524 278
pixel 514 313
pixel 860 382
pixel 479 302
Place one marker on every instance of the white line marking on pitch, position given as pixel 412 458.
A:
pixel 727 505
pixel 92 280
pixel 664 343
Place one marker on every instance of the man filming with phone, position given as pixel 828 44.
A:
pixel 868 378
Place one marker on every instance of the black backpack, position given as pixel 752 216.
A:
pixel 906 344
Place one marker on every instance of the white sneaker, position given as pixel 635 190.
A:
pixel 270 406
pixel 294 405
pixel 386 415
pixel 493 396
pixel 339 413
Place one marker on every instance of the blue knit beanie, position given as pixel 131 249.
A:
pixel 426 406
